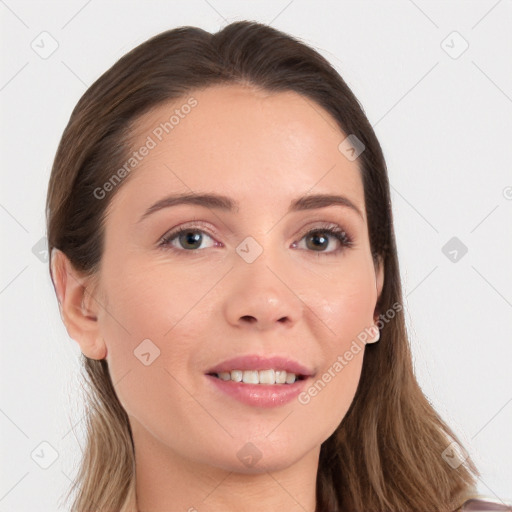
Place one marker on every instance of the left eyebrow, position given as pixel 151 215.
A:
pixel 221 202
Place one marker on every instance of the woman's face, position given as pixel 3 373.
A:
pixel 243 282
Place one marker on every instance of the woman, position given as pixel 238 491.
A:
pixel 223 252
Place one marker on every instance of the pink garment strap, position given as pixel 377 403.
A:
pixel 481 505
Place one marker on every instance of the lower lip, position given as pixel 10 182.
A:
pixel 259 395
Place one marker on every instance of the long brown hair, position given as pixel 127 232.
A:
pixel 387 453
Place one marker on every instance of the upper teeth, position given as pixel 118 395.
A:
pixel 259 377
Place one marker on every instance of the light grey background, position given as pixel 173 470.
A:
pixel 444 119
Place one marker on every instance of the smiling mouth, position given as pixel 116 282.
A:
pixel 262 377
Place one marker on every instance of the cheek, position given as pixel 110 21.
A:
pixel 150 338
pixel 345 302
pixel 150 298
pixel 152 322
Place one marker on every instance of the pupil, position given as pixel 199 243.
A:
pixel 316 237
pixel 191 237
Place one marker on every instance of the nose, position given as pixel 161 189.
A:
pixel 261 295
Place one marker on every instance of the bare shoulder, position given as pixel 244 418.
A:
pixel 484 505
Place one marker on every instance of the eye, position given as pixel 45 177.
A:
pixel 318 239
pixel 188 238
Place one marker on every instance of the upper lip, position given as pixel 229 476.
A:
pixel 257 362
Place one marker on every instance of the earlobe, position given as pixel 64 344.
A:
pixel 78 308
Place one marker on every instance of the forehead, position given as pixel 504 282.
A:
pixel 245 143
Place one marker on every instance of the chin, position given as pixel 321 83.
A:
pixel 274 463
pixel 256 456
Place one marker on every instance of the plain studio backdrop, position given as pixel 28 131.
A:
pixel 435 81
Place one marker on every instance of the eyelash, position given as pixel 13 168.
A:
pixel 332 230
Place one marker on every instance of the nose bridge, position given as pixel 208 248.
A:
pixel 260 293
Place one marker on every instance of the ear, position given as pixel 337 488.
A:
pixel 78 307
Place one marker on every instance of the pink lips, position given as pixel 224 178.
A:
pixel 260 395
